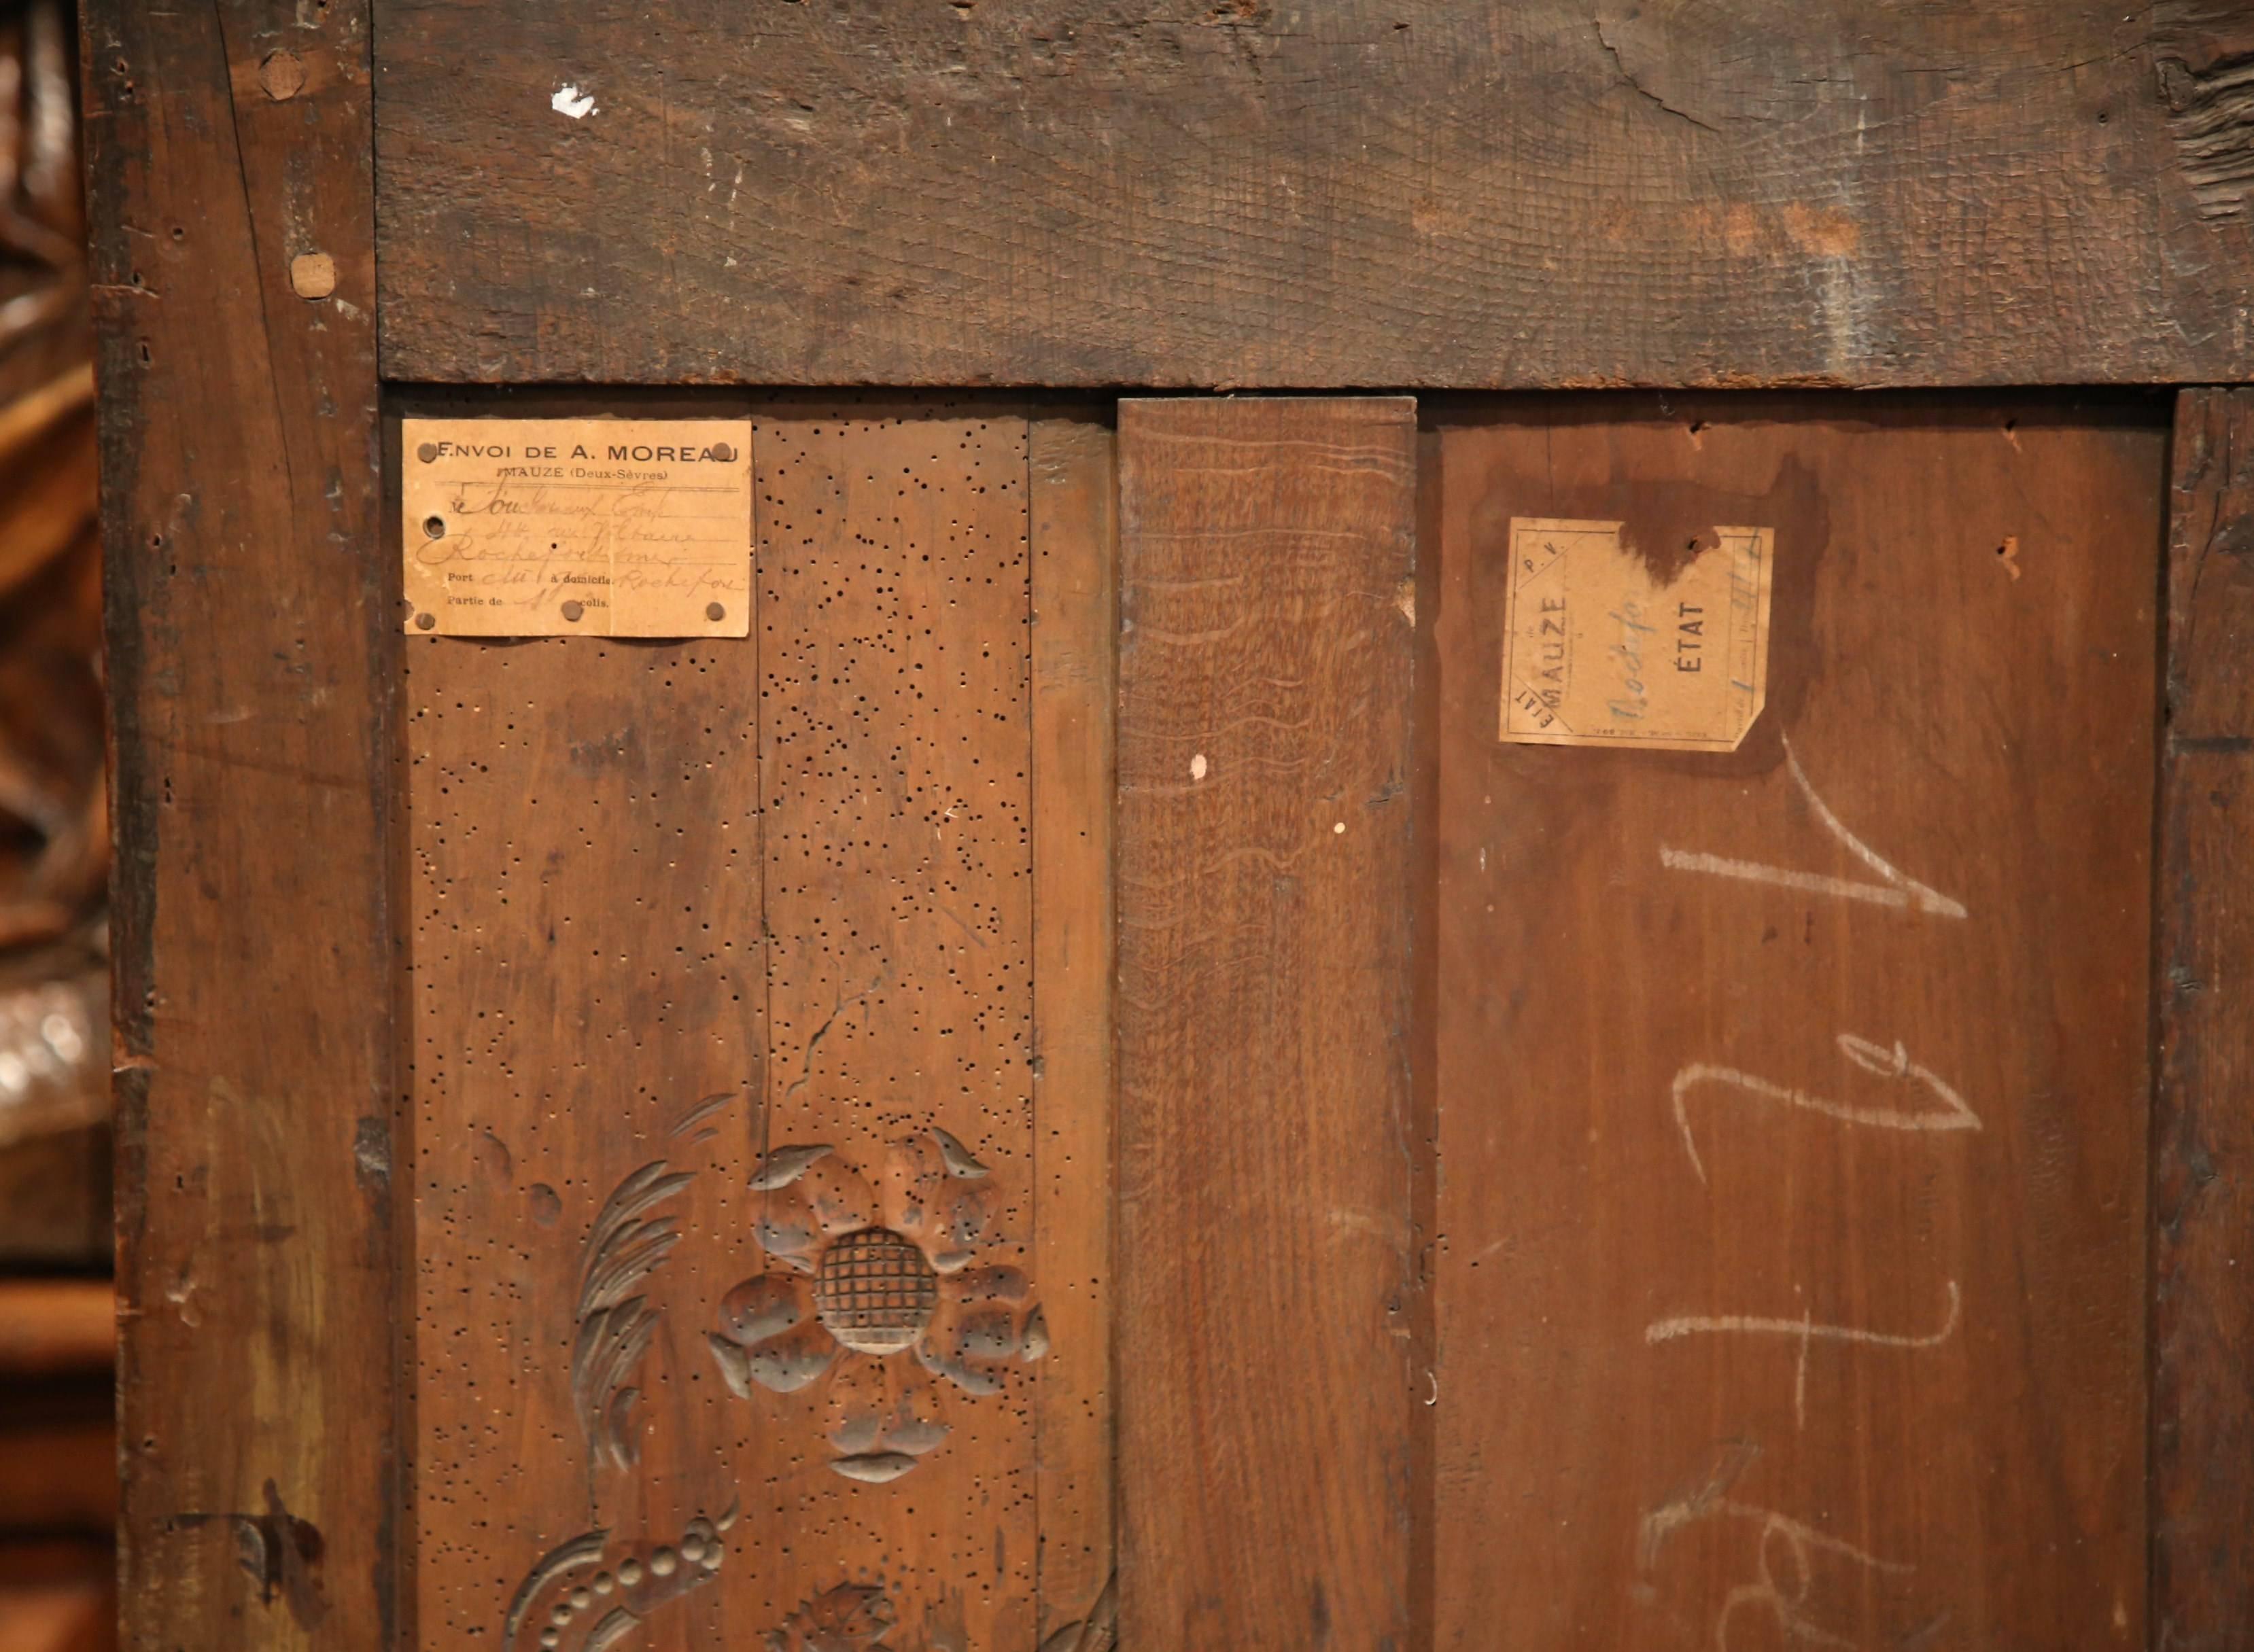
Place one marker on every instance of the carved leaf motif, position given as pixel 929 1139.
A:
pixel 615 1326
pixel 785 1165
pixel 608 1347
pixel 583 1596
pixel 987 1319
pixel 703 1110
pixel 882 1406
pixel 582 1550
pixel 956 1157
pixel 874 1468
pixel 849 1618
pixel 949 1212
pixel 1097 1632
pixel 612 1629
pixel 735 1365
pixel 623 1249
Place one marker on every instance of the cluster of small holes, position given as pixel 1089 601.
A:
pixel 892 625
pixel 585 963
pixel 597 828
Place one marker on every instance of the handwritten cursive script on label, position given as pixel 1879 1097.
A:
pixel 628 527
pixel 1597 651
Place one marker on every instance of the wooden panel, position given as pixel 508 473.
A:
pixel 1074 484
pixel 588 991
pixel 1420 193
pixel 1265 1394
pixel 250 677
pixel 2202 1219
pixel 725 978
pixel 893 588
pixel 1793 1103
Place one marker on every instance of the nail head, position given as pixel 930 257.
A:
pixel 283 74
pixel 313 274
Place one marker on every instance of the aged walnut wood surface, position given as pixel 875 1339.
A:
pixel 2203 1504
pixel 1793 1103
pixel 1265 1298
pixel 725 976
pixel 1375 192
pixel 250 675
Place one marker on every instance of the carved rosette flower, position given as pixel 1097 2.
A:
pixel 850 1618
pixel 866 1273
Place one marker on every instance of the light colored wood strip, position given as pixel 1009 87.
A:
pixel 1264 1305
pixel 1074 491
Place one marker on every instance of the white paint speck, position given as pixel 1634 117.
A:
pixel 1197 766
pixel 1340 826
pixel 569 99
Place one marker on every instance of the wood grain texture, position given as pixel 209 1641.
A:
pixel 588 991
pixel 250 677
pixel 1791 1188
pixel 1073 482
pixel 725 985
pixel 894 589
pixel 1267 552
pixel 2202 1200
pixel 1378 192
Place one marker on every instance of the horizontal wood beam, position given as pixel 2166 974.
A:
pixel 1369 193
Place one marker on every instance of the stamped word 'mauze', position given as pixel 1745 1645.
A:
pixel 1598 650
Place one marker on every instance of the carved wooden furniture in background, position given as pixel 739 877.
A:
pixel 57 1449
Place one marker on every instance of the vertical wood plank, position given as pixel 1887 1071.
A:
pixel 1267 560
pixel 1792 1100
pixel 588 983
pixel 723 968
pixel 2202 1202
pixel 896 756
pixel 252 676
pixel 1074 484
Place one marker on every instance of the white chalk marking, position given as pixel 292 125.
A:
pixel 1898 890
pixel 1801 1542
pixel 569 99
pixel 1804 1331
pixel 1198 766
pixel 1954 1113
pixel 1711 1501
